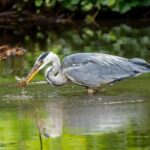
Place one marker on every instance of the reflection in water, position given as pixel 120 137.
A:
pixel 89 119
pixel 68 122
pixel 101 119
pixel 52 125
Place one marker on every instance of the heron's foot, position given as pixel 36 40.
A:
pixel 92 91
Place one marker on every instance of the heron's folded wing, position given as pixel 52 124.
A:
pixel 99 69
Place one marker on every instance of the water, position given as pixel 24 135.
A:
pixel 42 116
pixel 69 119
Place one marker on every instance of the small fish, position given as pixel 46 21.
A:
pixel 21 81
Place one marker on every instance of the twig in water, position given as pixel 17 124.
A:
pixel 39 131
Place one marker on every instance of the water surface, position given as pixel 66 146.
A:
pixel 67 118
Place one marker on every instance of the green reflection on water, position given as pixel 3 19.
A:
pixel 19 127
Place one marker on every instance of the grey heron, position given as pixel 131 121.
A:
pixel 90 70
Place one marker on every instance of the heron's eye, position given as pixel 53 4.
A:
pixel 39 63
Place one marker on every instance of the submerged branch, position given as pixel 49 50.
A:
pixel 39 131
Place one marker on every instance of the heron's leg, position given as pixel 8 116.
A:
pixel 90 91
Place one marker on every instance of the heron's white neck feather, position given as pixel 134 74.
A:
pixel 54 59
pixel 53 74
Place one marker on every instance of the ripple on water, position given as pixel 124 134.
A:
pixel 105 100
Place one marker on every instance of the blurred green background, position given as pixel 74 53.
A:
pixel 123 40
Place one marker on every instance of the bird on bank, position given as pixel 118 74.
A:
pixel 90 70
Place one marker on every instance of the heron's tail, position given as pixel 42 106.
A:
pixel 140 65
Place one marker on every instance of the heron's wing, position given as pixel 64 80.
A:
pixel 97 69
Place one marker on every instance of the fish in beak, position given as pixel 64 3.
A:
pixel 40 63
pixel 31 74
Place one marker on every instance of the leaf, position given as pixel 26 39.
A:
pixel 87 7
pixel 104 2
pixel 70 3
pixel 124 7
pixel 145 3
pixel 134 3
pixel 38 3
pixel 111 2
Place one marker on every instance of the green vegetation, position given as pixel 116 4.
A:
pixel 57 11
pixel 121 6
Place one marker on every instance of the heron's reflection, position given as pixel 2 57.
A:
pixel 86 118
pixel 52 125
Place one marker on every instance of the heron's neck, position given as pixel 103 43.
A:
pixel 54 74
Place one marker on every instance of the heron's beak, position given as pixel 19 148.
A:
pixel 31 74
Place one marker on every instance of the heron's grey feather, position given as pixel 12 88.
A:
pixel 138 61
pixel 95 69
pixel 140 65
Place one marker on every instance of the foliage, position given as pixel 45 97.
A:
pixel 85 6
pixel 121 6
pixel 31 12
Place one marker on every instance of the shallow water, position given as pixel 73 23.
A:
pixel 67 118
pixel 42 116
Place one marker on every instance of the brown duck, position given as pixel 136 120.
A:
pixel 6 51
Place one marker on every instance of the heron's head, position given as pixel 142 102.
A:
pixel 39 64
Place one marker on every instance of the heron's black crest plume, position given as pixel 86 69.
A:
pixel 43 56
